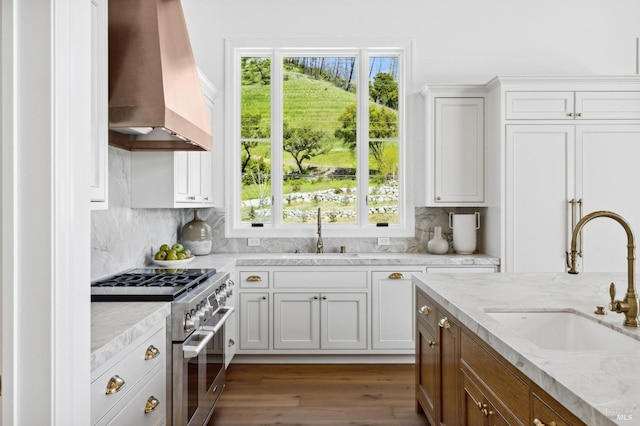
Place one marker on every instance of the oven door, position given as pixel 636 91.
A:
pixel 190 363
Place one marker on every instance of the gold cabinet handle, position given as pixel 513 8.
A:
pixel 579 114
pixel 264 297
pixel 485 410
pixel 570 114
pixel 444 323
pixel 424 310
pixel 537 422
pixel 254 278
pixel 396 276
pixel 151 353
pixel 315 297
pixel 115 384
pixel 151 404
pixel 431 343
pixel 230 283
pixel 231 342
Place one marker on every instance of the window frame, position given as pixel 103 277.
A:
pixel 277 49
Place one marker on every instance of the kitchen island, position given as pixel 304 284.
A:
pixel 600 387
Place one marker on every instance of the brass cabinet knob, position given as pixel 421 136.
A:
pixel 431 343
pixel 231 342
pixel 264 297
pixel 254 278
pixel 396 276
pixel 115 384
pixel 579 114
pixel 444 323
pixel 424 310
pixel 537 422
pixel 315 297
pixel 151 404
pixel 570 114
pixel 151 353
pixel 230 283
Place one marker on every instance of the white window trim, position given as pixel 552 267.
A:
pixel 237 47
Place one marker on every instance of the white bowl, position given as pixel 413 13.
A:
pixel 173 263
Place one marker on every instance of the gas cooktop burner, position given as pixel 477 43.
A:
pixel 150 284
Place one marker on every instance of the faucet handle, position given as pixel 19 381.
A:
pixel 612 292
pixel 617 306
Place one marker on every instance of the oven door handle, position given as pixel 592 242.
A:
pixel 220 323
pixel 190 351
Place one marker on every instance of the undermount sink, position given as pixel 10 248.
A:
pixel 317 255
pixel 565 331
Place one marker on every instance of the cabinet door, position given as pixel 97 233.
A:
pixel 607 179
pixel 230 325
pixel 343 321
pixel 459 150
pixel 254 321
pixel 391 310
pixel 539 183
pixel 449 371
pixel 99 106
pixel 296 321
pixel 427 378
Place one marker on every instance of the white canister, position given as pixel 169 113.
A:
pixel 464 231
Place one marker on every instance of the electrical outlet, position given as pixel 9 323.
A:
pixel 253 242
pixel 383 241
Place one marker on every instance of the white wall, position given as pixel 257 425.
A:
pixel 456 41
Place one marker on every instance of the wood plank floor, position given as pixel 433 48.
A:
pixel 318 394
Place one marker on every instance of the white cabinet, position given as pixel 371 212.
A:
pixel 579 105
pixel 174 179
pixel 131 388
pixel 99 143
pixel 455 146
pixel 475 269
pixel 320 320
pixel 254 320
pixel 393 320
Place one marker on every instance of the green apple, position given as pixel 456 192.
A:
pixel 181 256
pixel 165 247
pixel 187 253
pixel 177 247
pixel 161 255
pixel 172 255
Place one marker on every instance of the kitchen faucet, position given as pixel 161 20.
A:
pixel 319 245
pixel 629 305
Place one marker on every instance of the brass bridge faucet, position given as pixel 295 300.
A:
pixel 319 245
pixel 629 305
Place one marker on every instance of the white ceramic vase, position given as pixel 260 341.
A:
pixel 437 245
pixel 464 231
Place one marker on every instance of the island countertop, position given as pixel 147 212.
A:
pixel 599 387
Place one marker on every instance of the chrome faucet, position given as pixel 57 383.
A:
pixel 629 305
pixel 319 245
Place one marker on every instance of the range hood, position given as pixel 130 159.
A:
pixel 155 96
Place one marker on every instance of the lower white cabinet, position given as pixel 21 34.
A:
pixel 393 324
pixel 121 388
pixel 254 320
pixel 320 320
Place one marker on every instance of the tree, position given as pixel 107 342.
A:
pixel 256 71
pixel 383 124
pixel 252 130
pixel 384 90
pixel 303 143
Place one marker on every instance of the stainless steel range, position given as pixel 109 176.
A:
pixel 195 330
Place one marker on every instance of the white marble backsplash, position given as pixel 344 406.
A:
pixel 123 238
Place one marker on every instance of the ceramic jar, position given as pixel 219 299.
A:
pixel 464 231
pixel 196 236
pixel 437 245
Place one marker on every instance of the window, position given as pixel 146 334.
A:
pixel 316 130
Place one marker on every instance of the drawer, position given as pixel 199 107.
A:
pixel 131 369
pixel 548 415
pixel 460 269
pixel 608 105
pixel 320 279
pixel 253 279
pixel 425 311
pixel 512 392
pixel 132 410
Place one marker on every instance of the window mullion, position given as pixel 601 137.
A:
pixel 362 135
pixel 276 138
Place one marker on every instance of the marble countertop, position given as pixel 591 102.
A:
pixel 596 386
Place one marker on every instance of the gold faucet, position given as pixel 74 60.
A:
pixel 629 305
pixel 319 245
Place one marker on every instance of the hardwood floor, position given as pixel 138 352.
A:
pixel 318 394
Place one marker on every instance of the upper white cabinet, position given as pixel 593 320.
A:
pixel 455 143
pixel 578 105
pixel 576 153
pixel 98 180
pixel 175 179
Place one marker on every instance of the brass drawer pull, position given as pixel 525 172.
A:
pixel 115 384
pixel 151 353
pixel 444 323
pixel 537 422
pixel 431 343
pixel 424 310
pixel 231 342
pixel 151 404
pixel 396 276
pixel 254 278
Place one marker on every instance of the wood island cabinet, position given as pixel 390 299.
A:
pixel 461 380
